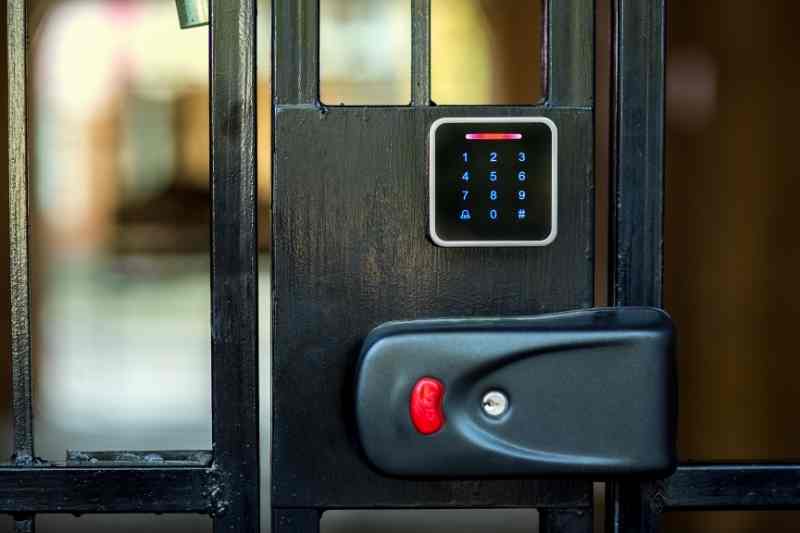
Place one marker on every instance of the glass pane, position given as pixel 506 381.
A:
pixel 732 258
pixel 120 200
pixel 487 52
pixel 365 52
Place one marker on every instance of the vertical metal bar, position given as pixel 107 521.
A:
pixel 295 51
pixel 634 507
pixel 19 227
pixel 234 261
pixel 570 54
pixel 637 181
pixel 420 52
pixel 566 520
pixel 637 171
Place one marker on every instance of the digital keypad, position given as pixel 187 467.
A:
pixel 493 182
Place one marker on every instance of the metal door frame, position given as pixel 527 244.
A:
pixel 222 482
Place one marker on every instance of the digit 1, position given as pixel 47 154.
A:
pixel 466 157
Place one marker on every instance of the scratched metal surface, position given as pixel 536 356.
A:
pixel 351 251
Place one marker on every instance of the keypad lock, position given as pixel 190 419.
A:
pixel 493 181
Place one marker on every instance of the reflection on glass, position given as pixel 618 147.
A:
pixel 486 51
pixel 121 226
pixel 365 52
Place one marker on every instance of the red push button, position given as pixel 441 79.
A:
pixel 426 410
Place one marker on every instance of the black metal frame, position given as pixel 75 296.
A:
pixel 636 252
pixel 224 482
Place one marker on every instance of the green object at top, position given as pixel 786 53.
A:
pixel 192 13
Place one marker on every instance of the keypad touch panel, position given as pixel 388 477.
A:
pixel 493 182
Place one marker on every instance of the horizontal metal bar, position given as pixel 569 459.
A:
pixel 140 458
pixel 717 486
pixel 106 490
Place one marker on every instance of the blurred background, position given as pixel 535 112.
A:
pixel 119 192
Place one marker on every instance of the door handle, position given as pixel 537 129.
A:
pixel 589 393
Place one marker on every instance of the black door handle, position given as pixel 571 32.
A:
pixel 588 392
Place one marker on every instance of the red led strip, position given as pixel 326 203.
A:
pixel 494 136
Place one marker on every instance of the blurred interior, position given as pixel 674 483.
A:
pixel 119 132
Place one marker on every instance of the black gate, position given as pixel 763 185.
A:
pixel 318 254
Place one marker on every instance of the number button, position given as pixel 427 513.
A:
pixel 522 194
pixel 493 214
pixel 493 157
pixel 493 195
pixel 464 194
pixel 522 175
pixel 522 214
pixel 522 157
pixel 493 175
pixel 465 157
pixel 465 176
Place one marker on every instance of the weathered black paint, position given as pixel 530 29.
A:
pixel 566 520
pixel 637 189
pixel 54 489
pixel 720 486
pixel 351 251
pixel 234 263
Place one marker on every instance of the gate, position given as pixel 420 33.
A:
pixel 350 252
